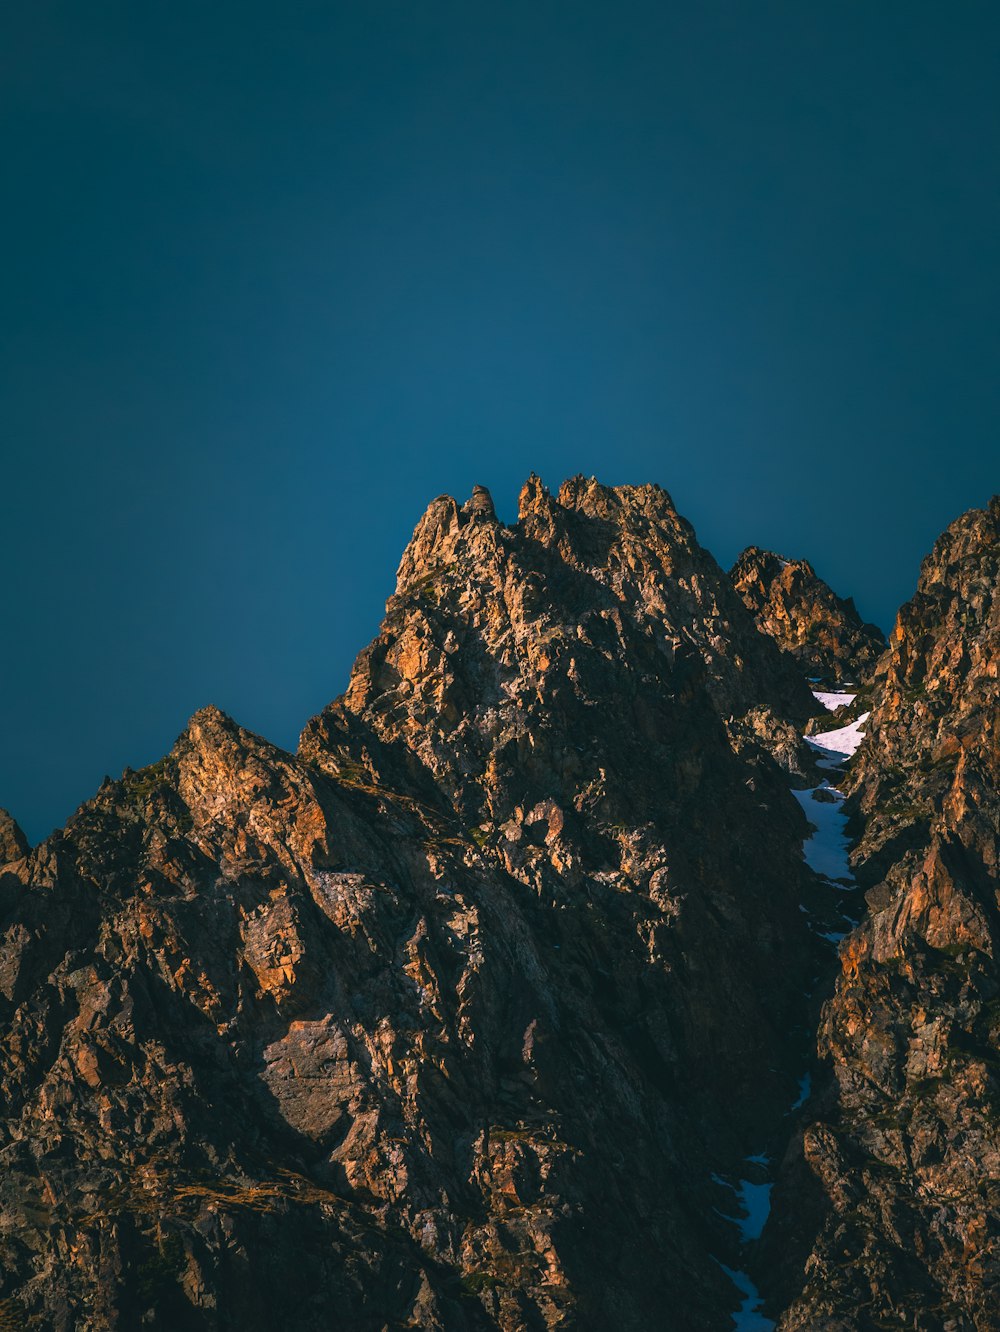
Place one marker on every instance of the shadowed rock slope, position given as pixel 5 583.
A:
pixel 906 1148
pixel 468 1014
pixel 446 1021
pixel 822 632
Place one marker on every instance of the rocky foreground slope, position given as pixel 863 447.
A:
pixel 470 1013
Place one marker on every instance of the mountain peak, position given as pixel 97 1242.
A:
pixel 480 504
pixel 821 631
pixel 480 608
pixel 13 843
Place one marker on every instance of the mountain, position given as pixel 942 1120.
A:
pixel 495 1005
pixel 907 1143
pixel 822 632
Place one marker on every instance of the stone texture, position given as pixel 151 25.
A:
pixel 822 632
pixel 908 1151
pixel 13 843
pixel 446 1020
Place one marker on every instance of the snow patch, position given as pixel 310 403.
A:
pixel 826 853
pixel 748 1318
pixel 756 1201
pixel 833 701
pixel 755 1204
pixel 805 1087
pixel 838 745
pixel 826 848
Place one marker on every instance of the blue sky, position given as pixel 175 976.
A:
pixel 278 275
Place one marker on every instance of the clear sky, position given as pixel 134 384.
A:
pixel 277 274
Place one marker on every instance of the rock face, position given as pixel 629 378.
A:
pixel 822 632
pixel 907 1151
pixel 448 1020
pixel 469 1014
pixel 13 843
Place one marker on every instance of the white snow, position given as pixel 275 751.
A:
pixel 836 746
pixel 833 701
pixel 805 1087
pixel 755 1203
pixel 756 1200
pixel 747 1319
pixel 826 848
pixel 826 852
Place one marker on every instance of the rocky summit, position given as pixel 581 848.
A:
pixel 822 632
pixel 583 968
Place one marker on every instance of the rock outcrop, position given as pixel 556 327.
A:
pixel 471 1013
pixel 906 1148
pixel 822 632
pixel 448 1020
pixel 13 843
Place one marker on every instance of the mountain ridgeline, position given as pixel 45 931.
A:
pixel 511 1000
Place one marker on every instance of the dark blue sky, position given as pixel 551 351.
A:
pixel 276 275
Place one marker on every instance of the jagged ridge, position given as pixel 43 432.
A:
pixel 907 1146
pixel 822 632
pixel 454 1013
pixel 450 1019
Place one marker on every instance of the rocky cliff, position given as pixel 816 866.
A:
pixel 448 1020
pixel 470 1013
pixel 906 1143
pixel 822 632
